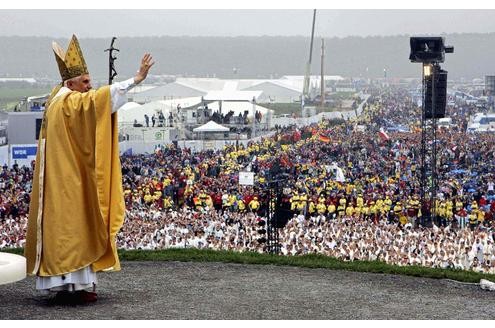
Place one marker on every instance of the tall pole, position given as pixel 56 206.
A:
pixel 322 82
pixel 423 188
pixel 430 57
pixel 435 69
pixel 308 67
pixel 253 134
pixel 429 147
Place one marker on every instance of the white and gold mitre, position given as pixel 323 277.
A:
pixel 71 63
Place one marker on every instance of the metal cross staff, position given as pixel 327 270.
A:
pixel 111 58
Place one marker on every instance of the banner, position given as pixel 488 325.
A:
pixel 23 154
pixel 246 178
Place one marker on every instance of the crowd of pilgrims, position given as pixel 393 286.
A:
pixel 179 198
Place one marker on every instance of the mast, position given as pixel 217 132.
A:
pixel 308 67
pixel 322 82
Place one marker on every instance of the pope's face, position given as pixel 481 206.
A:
pixel 81 84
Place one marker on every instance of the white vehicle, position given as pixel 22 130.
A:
pixel 482 123
pixel 445 122
pixel 477 117
pixel 487 123
pixel 473 127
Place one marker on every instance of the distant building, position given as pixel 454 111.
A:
pixel 275 92
pixel 17 80
pixel 284 90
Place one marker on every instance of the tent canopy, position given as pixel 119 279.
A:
pixel 232 95
pixel 211 126
pixel 133 111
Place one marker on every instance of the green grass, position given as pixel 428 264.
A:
pixel 15 93
pixel 10 96
pixel 306 261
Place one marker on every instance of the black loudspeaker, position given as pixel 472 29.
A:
pixel 440 94
pixel 427 49
pixel 275 169
pixel 281 217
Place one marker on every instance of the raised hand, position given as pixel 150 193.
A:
pixel 146 63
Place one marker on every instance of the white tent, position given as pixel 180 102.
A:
pixel 128 110
pixel 211 126
pixel 232 95
pixel 133 111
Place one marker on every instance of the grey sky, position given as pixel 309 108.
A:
pixel 249 22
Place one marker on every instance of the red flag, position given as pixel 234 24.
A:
pixel 284 161
pixel 296 136
pixel 383 135
pixel 323 138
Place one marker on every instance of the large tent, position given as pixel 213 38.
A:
pixel 127 113
pixel 211 126
pixel 211 130
pixel 133 111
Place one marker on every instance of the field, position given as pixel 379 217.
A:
pixel 10 96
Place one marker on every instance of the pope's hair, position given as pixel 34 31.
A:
pixel 73 80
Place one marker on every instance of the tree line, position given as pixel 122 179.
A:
pixel 250 57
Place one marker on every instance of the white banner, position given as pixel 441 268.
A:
pixel 246 178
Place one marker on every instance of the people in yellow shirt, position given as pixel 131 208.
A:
pixel 387 205
pixel 254 204
pixel 397 212
pixel 341 207
pixel 301 206
pixel 312 207
pixel 241 206
pixel 349 211
pixel 294 202
pixel 167 203
pixel 473 215
pixel 331 210
pixel 480 216
pixel 148 199
pixel 449 211
pixel 321 208
pixel 365 210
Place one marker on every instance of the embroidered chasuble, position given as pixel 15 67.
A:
pixel 77 205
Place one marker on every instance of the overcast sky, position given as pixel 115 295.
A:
pixel 248 22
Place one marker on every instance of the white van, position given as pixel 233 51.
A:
pixel 487 123
pixel 472 128
pixel 445 122
pixel 477 117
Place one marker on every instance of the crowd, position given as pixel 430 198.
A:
pixel 371 211
pixel 15 187
pixel 349 239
